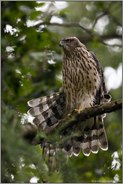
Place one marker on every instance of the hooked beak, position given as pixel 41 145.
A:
pixel 61 43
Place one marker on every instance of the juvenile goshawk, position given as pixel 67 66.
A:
pixel 83 87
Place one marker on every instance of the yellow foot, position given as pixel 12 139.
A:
pixel 78 110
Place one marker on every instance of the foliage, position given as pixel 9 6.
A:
pixel 31 67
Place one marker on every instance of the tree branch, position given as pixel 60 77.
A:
pixel 92 112
pixel 84 38
pixel 63 25
pixel 98 17
pixel 33 135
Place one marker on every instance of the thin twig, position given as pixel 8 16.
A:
pixel 97 18
pixel 63 25
pixel 85 38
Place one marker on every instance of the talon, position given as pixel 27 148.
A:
pixel 78 110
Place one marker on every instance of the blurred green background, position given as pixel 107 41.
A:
pixel 31 67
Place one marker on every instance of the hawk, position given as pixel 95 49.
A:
pixel 83 87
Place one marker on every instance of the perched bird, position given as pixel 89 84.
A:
pixel 83 87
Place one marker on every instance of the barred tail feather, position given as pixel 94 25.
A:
pixel 76 147
pixel 103 141
pixel 48 153
pixel 68 147
pixel 86 146
pixel 93 137
pixel 94 141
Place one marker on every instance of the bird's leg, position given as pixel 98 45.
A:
pixel 78 110
pixel 81 108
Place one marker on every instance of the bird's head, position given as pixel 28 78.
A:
pixel 70 43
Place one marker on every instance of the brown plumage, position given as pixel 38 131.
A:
pixel 83 87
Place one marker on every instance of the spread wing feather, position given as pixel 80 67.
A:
pixel 47 110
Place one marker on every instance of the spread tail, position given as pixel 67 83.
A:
pixel 92 138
